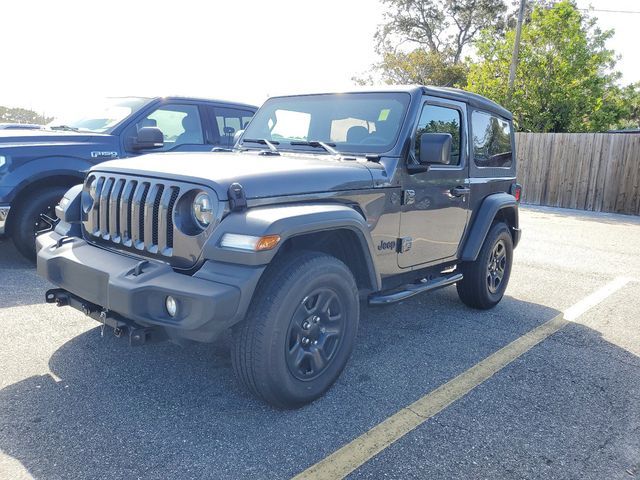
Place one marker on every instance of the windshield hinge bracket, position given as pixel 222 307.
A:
pixel 237 198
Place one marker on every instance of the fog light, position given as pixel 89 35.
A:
pixel 172 306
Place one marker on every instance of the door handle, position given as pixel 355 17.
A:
pixel 459 191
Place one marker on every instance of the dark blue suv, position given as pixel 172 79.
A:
pixel 38 166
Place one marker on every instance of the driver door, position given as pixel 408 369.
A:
pixel 435 206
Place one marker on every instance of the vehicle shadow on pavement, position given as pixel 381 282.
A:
pixel 162 411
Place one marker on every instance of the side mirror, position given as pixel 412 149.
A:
pixel 435 148
pixel 148 138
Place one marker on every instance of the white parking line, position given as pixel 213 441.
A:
pixel 360 450
pixel 574 311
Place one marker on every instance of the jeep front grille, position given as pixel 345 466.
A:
pixel 134 213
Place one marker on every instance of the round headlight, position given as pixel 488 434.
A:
pixel 202 209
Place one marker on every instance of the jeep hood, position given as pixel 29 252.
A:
pixel 260 175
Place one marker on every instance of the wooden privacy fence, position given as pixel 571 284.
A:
pixel 587 171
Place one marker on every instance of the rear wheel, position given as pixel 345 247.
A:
pixel 35 215
pixel 300 330
pixel 485 280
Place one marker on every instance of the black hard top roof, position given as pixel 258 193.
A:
pixel 473 99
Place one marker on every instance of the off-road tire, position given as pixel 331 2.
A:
pixel 475 289
pixel 23 224
pixel 261 348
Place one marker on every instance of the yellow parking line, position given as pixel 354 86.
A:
pixel 351 456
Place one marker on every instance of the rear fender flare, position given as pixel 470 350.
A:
pixel 489 208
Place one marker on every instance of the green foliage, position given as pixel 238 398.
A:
pixel 423 41
pixel 445 27
pixel 630 104
pixel 22 115
pixel 420 66
pixel 565 80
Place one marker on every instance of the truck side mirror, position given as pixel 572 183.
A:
pixel 148 138
pixel 435 148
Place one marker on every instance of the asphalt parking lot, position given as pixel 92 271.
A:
pixel 77 405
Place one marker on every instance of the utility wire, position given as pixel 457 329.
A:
pixel 607 11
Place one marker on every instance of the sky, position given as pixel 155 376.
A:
pixel 60 54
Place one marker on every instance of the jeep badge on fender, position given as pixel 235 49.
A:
pixel 379 194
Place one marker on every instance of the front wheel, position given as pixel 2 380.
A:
pixel 34 216
pixel 485 280
pixel 300 330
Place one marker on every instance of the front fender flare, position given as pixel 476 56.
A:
pixel 289 221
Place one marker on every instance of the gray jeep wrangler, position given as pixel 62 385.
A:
pixel 325 200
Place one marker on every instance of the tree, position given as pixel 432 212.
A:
pixel 423 41
pixel 419 66
pixel 565 81
pixel 630 99
pixel 444 27
pixel 22 115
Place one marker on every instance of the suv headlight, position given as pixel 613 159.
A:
pixel 3 161
pixel 202 209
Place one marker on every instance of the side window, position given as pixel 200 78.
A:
pixel 179 124
pixel 491 140
pixel 437 119
pixel 229 121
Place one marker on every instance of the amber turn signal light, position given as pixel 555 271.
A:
pixel 267 242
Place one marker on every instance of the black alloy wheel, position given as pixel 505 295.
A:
pixel 46 220
pixel 315 333
pixel 496 266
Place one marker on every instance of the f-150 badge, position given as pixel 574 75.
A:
pixel 104 154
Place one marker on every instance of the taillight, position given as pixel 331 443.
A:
pixel 516 191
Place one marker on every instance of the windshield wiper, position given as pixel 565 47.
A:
pixel 316 143
pixel 263 141
pixel 66 128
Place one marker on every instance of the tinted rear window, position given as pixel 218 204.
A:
pixel 491 140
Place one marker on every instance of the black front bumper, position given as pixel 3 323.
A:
pixel 135 290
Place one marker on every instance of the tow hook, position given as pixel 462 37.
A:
pixel 58 296
pixel 144 335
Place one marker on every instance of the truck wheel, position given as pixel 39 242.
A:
pixel 486 279
pixel 35 215
pixel 300 330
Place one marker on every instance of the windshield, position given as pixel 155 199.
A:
pixel 103 117
pixel 352 122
